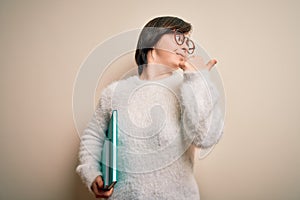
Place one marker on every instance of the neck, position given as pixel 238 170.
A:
pixel 154 71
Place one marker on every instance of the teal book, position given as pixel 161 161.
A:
pixel 109 159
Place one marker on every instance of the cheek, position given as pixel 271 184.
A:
pixel 166 55
pixel 166 43
pixel 171 59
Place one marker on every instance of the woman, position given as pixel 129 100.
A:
pixel 164 113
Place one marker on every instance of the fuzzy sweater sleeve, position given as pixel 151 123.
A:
pixel 92 139
pixel 201 116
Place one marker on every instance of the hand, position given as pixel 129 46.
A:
pixel 195 63
pixel 97 188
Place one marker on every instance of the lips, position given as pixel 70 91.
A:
pixel 182 57
pixel 180 54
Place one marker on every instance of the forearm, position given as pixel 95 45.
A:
pixel 92 139
pixel 201 116
pixel 90 155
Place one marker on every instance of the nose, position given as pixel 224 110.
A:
pixel 184 48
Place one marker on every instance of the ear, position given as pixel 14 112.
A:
pixel 151 55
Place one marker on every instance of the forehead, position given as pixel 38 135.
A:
pixel 170 37
pixel 188 34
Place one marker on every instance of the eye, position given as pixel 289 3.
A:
pixel 190 44
pixel 179 39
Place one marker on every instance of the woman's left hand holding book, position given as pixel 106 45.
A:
pixel 97 188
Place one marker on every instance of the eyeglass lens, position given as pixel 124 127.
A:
pixel 180 38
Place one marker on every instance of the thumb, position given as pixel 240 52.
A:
pixel 185 65
pixel 99 182
pixel 211 63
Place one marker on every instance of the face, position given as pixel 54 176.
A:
pixel 169 53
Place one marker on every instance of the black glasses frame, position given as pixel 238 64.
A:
pixel 180 38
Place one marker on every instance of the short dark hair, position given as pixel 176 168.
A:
pixel 152 32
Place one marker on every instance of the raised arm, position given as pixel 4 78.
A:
pixel 202 117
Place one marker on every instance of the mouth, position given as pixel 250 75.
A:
pixel 180 55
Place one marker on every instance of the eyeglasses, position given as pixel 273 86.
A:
pixel 180 39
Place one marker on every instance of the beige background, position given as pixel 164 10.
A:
pixel 43 43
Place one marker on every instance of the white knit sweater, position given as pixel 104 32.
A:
pixel 160 123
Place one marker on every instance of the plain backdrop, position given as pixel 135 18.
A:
pixel 43 43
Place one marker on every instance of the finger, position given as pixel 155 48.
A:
pixel 109 192
pixel 95 189
pixel 211 63
pixel 106 194
pixel 183 67
pixel 99 182
pixel 187 66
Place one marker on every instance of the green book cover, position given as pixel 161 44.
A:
pixel 109 159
